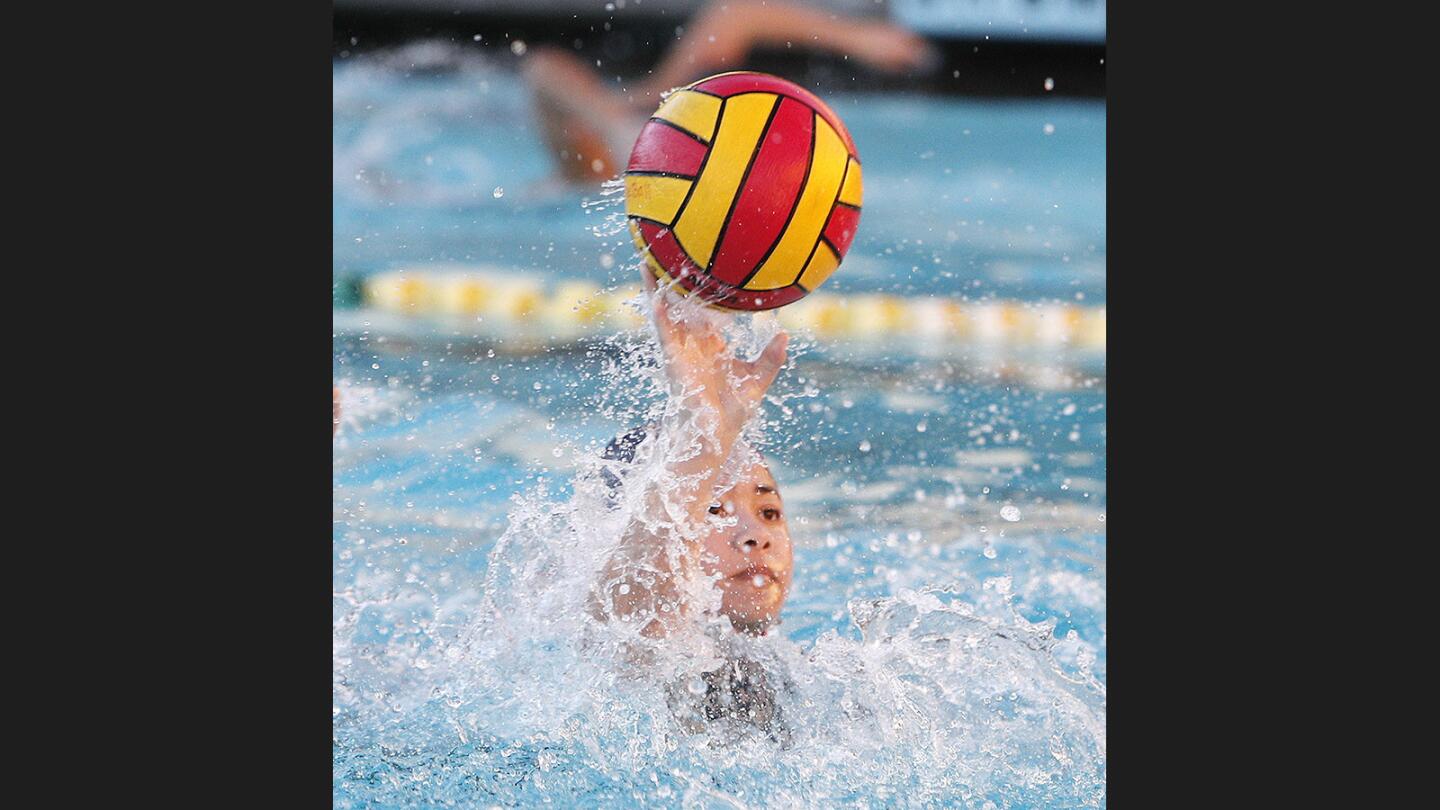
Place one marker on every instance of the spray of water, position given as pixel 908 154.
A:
pixel 940 694
pixel 522 690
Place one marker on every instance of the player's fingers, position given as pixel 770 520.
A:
pixel 694 325
pixel 768 365
pixel 709 330
pixel 648 278
pixel 665 324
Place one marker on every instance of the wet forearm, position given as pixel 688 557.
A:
pixel 640 581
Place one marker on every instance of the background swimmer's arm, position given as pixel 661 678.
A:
pixel 722 35
pixel 579 115
pixel 717 393
pixel 584 119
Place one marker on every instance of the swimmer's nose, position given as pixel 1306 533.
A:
pixel 752 543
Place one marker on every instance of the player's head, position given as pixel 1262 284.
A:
pixel 746 546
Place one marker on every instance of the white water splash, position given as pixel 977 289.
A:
pixel 511 693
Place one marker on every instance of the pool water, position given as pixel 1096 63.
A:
pixel 945 635
pixel 961 197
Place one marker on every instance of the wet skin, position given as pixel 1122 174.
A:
pixel 590 123
pixel 748 549
pixel 737 534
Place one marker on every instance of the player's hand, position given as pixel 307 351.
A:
pixel 703 369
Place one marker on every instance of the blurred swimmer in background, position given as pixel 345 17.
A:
pixel 590 126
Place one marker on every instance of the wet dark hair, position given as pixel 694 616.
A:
pixel 621 448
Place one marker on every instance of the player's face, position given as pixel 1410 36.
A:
pixel 748 548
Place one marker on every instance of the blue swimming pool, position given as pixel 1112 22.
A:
pixel 946 633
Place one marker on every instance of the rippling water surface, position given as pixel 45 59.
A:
pixel 944 643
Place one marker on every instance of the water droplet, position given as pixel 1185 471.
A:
pixel 624 589
pixel 518 47
pixel 865 446
pixel 696 686
pixel 498 192
pixel 1049 83
pixel 989 552
pixel 759 580
pixel 1010 513
pixel 1049 129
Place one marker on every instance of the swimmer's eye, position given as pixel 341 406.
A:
pixel 714 508
pixel 770 514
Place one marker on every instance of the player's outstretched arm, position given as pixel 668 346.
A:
pixel 713 395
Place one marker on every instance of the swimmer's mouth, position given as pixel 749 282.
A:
pixel 762 571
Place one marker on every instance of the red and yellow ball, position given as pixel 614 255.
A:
pixel 743 189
